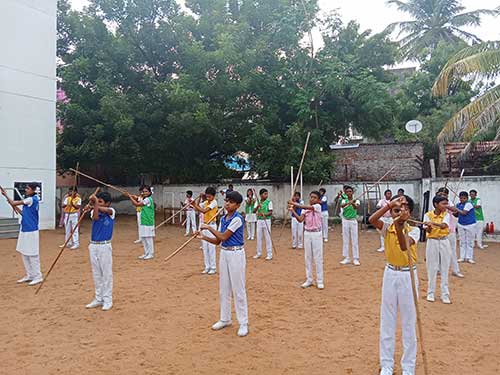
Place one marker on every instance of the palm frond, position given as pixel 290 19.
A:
pixel 466 36
pixel 472 18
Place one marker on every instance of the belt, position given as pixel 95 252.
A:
pixel 399 268
pixel 100 242
pixel 438 239
pixel 312 230
pixel 232 248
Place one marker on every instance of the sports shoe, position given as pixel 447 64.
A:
pixel 243 330
pixel 471 261
pixel 380 250
pixel 186 234
pixel 148 257
pixel 345 261
pixel 307 284
pixel 458 274
pixel 321 286
pixel 386 371
pixel 205 271
pixel 25 279
pixel 269 258
pixel 483 247
pixel 256 256
pixel 211 272
pixel 95 303
pixel 446 299
pixel 74 247
pixel 325 240
pixel 460 260
pixel 356 262
pixel 300 247
pixel 220 324
pixel 107 306
pixel 294 247
pixel 35 281
pixel 430 297
pixel 406 372
pixel 137 241
pixel 141 256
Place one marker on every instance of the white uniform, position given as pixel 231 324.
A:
pixel 350 235
pixel 313 251
pixel 264 231
pixel 28 244
pixel 209 254
pixel 71 220
pixel 324 218
pixel 190 218
pixel 479 229
pixel 386 219
pixel 466 235
pixel 147 233
pixel 250 220
pixel 297 231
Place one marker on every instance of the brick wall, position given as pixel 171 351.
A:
pixel 369 162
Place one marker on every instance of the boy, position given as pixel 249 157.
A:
pixel 100 250
pixel 28 243
pixel 232 263
pixel 147 227
pixel 71 206
pixel 190 213
pixel 324 214
pixel 466 227
pixel 478 210
pixel 349 215
pixel 397 293
pixel 312 237
pixel 264 211
pixel 438 250
pixel 387 216
pixel 297 226
pixel 209 210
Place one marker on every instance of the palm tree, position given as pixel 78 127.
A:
pixel 434 21
pixel 476 63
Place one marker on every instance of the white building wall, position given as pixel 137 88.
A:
pixel 28 99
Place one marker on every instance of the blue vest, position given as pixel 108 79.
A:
pixel 29 221
pixel 237 238
pixel 298 210
pixel 102 229
pixel 324 205
pixel 468 219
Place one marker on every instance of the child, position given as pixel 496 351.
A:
pixel 324 214
pixel 312 237
pixel 250 217
pixel 147 226
pixel 209 210
pixel 397 293
pixel 387 216
pixel 138 214
pixel 232 263
pixel 71 206
pixel 438 250
pixel 190 213
pixel 466 227
pixel 264 212
pixel 452 236
pixel 297 226
pixel 401 192
pixel 349 216
pixel 100 250
pixel 28 241
pixel 478 210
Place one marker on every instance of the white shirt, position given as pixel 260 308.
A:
pixel 234 225
pixel 414 233
pixel 446 219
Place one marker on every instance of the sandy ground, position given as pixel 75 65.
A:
pixel 160 322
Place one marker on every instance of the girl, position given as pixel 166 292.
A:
pixel 250 217
pixel 147 226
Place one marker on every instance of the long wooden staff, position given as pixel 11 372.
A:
pixel 175 214
pixel 265 221
pixel 124 192
pixel 16 209
pixel 84 211
pixel 192 237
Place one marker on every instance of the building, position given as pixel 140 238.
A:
pixel 28 101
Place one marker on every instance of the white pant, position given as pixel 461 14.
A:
pixel 313 250
pixel 479 233
pixel 264 230
pixel 350 235
pixel 466 234
pixel 297 233
pixel 32 266
pixel 324 224
pixel 250 230
pixel 397 294
pixel 138 214
pixel 382 238
pixel 69 224
pixel 101 259
pixel 232 265
pixel 190 221
pixel 209 256
pixel 149 246
pixel 438 257
pixel 452 238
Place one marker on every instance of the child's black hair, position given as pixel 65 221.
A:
pixel 401 190
pixel 234 196
pixel 443 190
pixel 438 199
pixel 473 191
pixel 411 203
pixel 230 186
pixel 317 193
pixel 463 194
pixel 262 191
pixel 189 193
pixel 147 187
pixel 105 196
pixel 297 193
pixel 387 191
pixel 210 190
pixel 347 187
pixel 322 190
pixel 32 186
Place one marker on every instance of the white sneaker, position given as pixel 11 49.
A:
pixel 269 258
pixel 220 324
pixel 386 371
pixel 212 272
pixel 406 372
pixel 356 262
pixel 471 261
pixel 74 247
pixel 294 247
pixel 458 274
pixel 446 299
pixel 186 234
pixel 256 256
pixel 321 286
pixel 137 241
pixel 380 250
pixel 141 256
pixel 243 330
pixel 483 247
pixel 205 271
pixel 95 303
pixel 325 240
pixel 107 306
pixel 345 261
pixel 252 239
pixel 430 297
pixel 307 284
pixel 460 260
pixel 148 257
pixel 36 281
pixel 25 279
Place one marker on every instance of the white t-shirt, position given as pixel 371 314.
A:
pixel 446 220
pixel 28 201
pixel 113 213
pixel 468 206
pixel 145 201
pixel 414 232
pixel 234 225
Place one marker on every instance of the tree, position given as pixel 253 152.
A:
pixel 434 21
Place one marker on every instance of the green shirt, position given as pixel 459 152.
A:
pixel 348 212
pixel 478 211
pixel 249 207
pixel 148 212
pixel 263 211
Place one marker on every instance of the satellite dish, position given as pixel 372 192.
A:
pixel 413 126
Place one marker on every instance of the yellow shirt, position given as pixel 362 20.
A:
pixel 207 216
pixel 69 209
pixel 443 217
pixel 138 208
pixel 393 253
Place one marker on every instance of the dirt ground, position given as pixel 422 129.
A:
pixel 160 322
